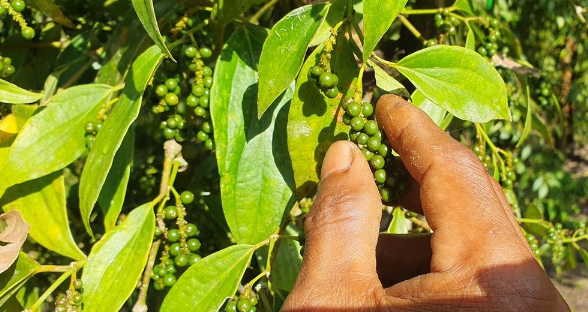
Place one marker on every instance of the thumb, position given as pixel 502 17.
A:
pixel 341 231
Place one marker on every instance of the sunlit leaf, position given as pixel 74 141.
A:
pixel 113 131
pixel 284 50
pixel 378 15
pixel 146 14
pixel 252 155
pixel 458 80
pixel 41 203
pixel 117 261
pixel 10 93
pixel 208 283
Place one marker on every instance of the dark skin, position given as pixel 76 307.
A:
pixel 476 260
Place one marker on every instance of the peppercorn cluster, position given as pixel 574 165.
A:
pixel 365 132
pixel 6 68
pixel 182 93
pixel 244 303
pixel 180 245
pixel 72 300
pixel 15 9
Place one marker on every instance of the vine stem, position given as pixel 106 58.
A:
pixel 71 269
pixel 420 223
pixel 171 151
pixel 255 18
pixel 411 27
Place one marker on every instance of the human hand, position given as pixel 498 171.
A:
pixel 476 260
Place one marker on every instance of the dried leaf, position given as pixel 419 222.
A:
pixel 13 235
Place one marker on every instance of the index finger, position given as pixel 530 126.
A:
pixel 456 193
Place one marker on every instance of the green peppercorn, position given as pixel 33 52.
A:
pixel 380 176
pixel 357 123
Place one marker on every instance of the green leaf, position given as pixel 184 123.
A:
pixel 41 202
pixel 287 263
pixel 378 15
pixel 206 284
pixel 284 50
pixel 146 14
pixel 436 113
pixel 256 173
pixel 13 94
pixel 114 130
pixel 470 40
pixel 398 224
pixel 336 13
pixel 529 119
pixel 113 192
pixel 55 137
pixel 539 125
pixel 117 261
pixel 12 279
pixel 533 212
pixel 315 122
pixel 225 11
pixel 50 9
pixel 386 82
pixel 583 254
pixel 459 80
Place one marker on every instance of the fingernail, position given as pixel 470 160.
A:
pixel 338 158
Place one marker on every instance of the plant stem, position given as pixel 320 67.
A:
pixel 255 18
pixel 421 11
pixel 420 223
pixel 541 222
pixel 171 150
pixel 383 61
pixel 53 268
pixel 71 269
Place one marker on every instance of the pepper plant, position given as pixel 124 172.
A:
pixel 162 155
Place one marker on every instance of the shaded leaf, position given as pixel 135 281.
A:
pixel 41 203
pixel 539 125
pixel 386 82
pixel 255 174
pixel 225 11
pixel 314 122
pixel 529 119
pixel 287 263
pixel 206 284
pixel 114 130
pixel 50 9
pixel 378 15
pixel 13 234
pixel 146 14
pixel 458 80
pixel 11 305
pixel 18 273
pixel 117 261
pixel 55 137
pixel 284 50
pixel 436 113
pixel 583 254
pixel 13 94
pixel 113 192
